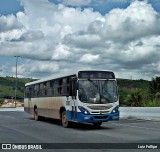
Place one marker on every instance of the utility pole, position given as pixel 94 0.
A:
pixel 16 80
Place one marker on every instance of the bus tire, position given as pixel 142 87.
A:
pixel 64 120
pixel 97 124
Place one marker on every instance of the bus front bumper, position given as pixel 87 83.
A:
pixel 97 118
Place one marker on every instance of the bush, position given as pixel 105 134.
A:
pixel 152 103
pixel 134 97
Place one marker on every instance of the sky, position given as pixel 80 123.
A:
pixel 56 37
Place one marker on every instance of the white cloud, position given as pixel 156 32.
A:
pixel 9 22
pixel 126 39
pixel 63 39
pixel 76 2
pixel 66 30
pixel 136 21
pixel 37 68
pixel 61 52
pixel 83 40
pixel 43 67
pixel 43 27
pixel 20 70
pixel 14 34
pixel 89 58
pixel 4 69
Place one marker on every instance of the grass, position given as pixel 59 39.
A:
pixel 153 103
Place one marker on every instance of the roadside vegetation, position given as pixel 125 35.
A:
pixel 140 93
pixel 135 93
pixel 7 88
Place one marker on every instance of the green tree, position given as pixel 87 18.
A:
pixel 154 87
pixel 122 95
pixel 134 98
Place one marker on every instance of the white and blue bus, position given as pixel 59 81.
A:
pixel 89 96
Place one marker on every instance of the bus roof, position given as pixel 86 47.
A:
pixel 60 76
pixel 48 79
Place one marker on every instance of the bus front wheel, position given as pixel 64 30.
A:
pixel 64 119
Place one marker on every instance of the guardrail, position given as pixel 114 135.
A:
pixel 12 109
pixel 148 113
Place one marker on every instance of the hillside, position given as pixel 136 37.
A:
pixel 7 87
pixel 125 86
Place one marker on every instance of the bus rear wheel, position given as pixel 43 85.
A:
pixel 64 120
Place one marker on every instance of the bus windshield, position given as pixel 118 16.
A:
pixel 97 91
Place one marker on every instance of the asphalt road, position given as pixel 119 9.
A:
pixel 19 127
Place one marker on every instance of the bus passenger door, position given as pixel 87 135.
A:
pixel 73 95
pixel 74 110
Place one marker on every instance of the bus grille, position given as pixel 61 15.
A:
pixel 100 117
pixel 100 112
pixel 99 107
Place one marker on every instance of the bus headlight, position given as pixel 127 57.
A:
pixel 83 110
pixel 115 110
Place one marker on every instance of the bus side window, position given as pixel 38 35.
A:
pixel 34 91
pixel 27 92
pixel 48 89
pixel 51 88
pixel 65 86
pixel 31 91
pixel 37 90
pixel 41 90
pixel 55 87
pixel 60 87
pixel 44 89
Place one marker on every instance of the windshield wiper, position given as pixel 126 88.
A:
pixel 106 81
pixel 93 83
